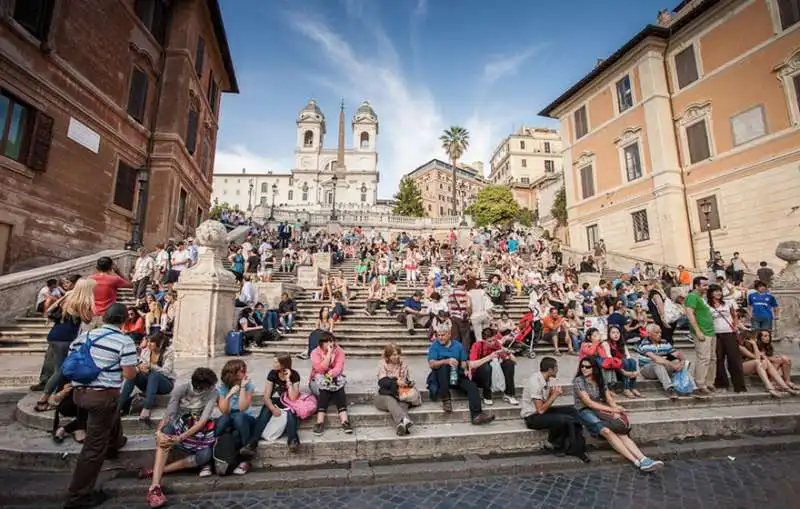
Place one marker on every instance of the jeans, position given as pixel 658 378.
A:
pixel 483 378
pixel 761 324
pixel 261 424
pixel 56 380
pixel 271 319
pixel 287 320
pixel 150 383
pixel 463 384
pixel 628 365
pixel 242 422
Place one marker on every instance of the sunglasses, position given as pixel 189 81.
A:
pixel 586 366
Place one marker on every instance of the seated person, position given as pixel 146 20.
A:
pixel 490 346
pixel 235 398
pixel 248 295
pixel 155 374
pixel 287 309
pixel 565 432
pixel 555 329
pixel 448 362
pixel 253 333
pixel 413 313
pixel 282 382
pixel 658 360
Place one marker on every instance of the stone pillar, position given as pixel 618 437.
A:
pixel 786 289
pixel 205 297
pixel 307 277
pixel 269 294
pixel 322 261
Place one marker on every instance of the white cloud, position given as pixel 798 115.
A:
pixel 410 120
pixel 508 65
pixel 236 158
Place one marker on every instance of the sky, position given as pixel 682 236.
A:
pixel 424 65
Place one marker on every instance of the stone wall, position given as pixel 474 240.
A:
pixel 18 291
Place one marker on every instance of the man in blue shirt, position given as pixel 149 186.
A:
pixel 444 356
pixel 763 308
pixel 413 313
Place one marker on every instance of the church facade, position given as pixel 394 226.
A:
pixel 320 176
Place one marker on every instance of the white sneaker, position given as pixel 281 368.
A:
pixel 488 402
pixel 205 471
pixel 242 468
pixel 511 400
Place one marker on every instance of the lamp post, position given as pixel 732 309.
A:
pixel 334 179
pixel 272 208
pixel 705 207
pixel 250 188
pixel 462 188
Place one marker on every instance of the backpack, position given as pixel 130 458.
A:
pixel 79 366
pixel 226 452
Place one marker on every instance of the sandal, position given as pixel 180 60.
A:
pixel 59 435
pixel 776 394
pixel 637 393
pixel 42 406
pixel 628 394
pixel 79 436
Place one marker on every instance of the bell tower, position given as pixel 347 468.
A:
pixel 310 128
pixel 365 128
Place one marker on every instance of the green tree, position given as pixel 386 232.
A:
pixel 526 217
pixel 409 199
pixel 494 206
pixel 559 208
pixel 455 141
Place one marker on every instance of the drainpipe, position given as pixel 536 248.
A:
pixel 143 173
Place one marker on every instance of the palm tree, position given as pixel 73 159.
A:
pixel 455 141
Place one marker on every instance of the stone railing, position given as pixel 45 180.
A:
pixel 18 290
pixel 362 218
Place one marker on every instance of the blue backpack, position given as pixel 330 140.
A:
pixel 79 366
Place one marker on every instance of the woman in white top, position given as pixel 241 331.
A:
pixel 725 328
pixel 180 258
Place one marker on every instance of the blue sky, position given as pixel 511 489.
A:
pixel 488 65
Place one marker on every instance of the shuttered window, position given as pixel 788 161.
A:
pixel 624 94
pixel 581 123
pixel 182 207
pixel 25 133
pixel 137 96
pixel 35 16
pixel 641 229
pixel 713 222
pixel 125 186
pixel 153 13
pixel 213 92
pixel 592 236
pixel 587 181
pixel 199 56
pixel 697 139
pixel 633 161
pixel 796 83
pixel 191 131
pixel 686 67
pixel 789 12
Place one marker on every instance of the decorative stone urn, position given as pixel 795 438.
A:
pixel 206 294
pixel 786 288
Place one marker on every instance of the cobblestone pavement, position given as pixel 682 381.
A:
pixel 745 482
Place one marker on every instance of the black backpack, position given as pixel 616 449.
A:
pixel 226 451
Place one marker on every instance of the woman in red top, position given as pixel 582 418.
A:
pixel 488 348
pixel 625 365
pixel 134 325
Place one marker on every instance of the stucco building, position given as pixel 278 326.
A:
pixel 108 123
pixel 435 181
pixel 690 126
pixel 351 173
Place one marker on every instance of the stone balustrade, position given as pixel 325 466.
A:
pixel 366 218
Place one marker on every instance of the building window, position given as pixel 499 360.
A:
pixel 15 129
pixel 581 123
pixel 305 192
pixel 748 125
pixel 199 55
pixel 363 194
pixel 308 139
pixel 191 131
pixel 153 13
pixel 182 207
pixel 364 140
pixel 213 92
pixel 796 84
pixel 525 180
pixel 205 162
pixel 697 139
pixel 521 144
pixel 291 195
pixel 712 222
pixel 633 161
pixel 238 192
pixel 549 166
pixel 587 181
pixel 547 147
pixel 137 95
pixel 125 186
pixel 592 236
pixel 624 94
pixel 789 11
pixel 35 16
pixel 329 197
pixel 264 187
pixel 430 208
pixel 686 67
pixel 441 210
pixel 524 163
pixel 641 230
pixel 291 181
pixel 199 216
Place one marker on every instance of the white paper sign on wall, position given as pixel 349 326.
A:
pixel 82 135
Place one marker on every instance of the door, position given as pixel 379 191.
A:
pixel 5 240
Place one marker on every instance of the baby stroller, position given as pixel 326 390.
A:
pixel 526 335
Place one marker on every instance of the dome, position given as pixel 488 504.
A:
pixel 311 112
pixel 365 112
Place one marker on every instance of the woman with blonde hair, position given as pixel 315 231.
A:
pixel 153 317
pixel 69 313
pixel 396 391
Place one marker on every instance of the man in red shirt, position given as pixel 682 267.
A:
pixel 108 280
pixel 460 308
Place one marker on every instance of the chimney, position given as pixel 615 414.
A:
pixel 664 18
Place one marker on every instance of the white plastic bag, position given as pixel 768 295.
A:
pixel 498 379
pixel 275 427
pixel 672 311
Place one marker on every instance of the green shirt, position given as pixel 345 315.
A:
pixel 702 313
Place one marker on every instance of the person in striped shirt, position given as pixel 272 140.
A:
pixel 115 353
pixel 658 360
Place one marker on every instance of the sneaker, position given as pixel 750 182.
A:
pixel 37 387
pixel 648 465
pixel 247 452
pixel 482 418
pixel 155 497
pixel 447 406
pixel 242 468
pixel 205 471
pixel 407 423
pixel 319 428
pixel 347 428
pixel 488 402
pixel 401 430
pixel 303 355
pixel 511 400
pixel 293 447
pixel 702 393
pixel 671 394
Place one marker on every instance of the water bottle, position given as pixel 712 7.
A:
pixel 453 375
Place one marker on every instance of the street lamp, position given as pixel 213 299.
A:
pixel 334 179
pixel 250 195
pixel 705 207
pixel 272 208
pixel 462 188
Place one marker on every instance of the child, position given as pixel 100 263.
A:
pixel 235 397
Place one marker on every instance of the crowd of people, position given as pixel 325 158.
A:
pixel 458 294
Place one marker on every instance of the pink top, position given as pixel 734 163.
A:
pixel 334 369
pixel 399 371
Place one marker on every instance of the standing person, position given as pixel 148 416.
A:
pixel 142 274
pixel 565 432
pixel 763 308
pixel 108 280
pixel 116 353
pixel 460 309
pixel 701 326
pixel 738 266
pixel 764 273
pixel 725 327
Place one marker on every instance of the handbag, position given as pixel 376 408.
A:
pixel 275 427
pixel 619 424
pixel 498 378
pixel 303 407
pixel 329 383
pixel 409 394
pixel 672 311
pixel 201 440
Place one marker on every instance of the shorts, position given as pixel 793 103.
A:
pixel 591 421
pixel 196 458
